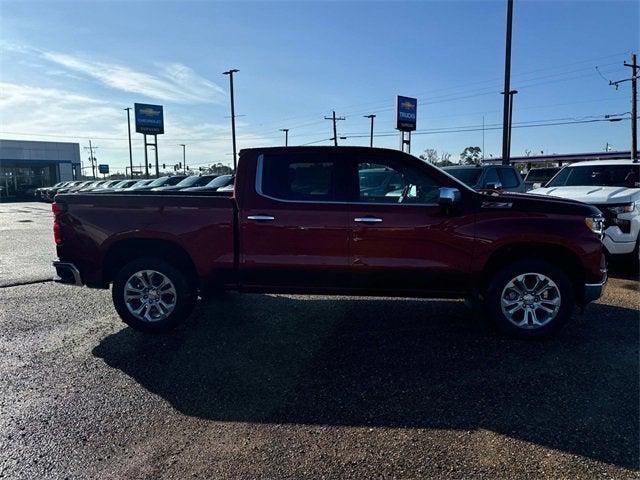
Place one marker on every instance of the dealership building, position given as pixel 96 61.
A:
pixel 26 165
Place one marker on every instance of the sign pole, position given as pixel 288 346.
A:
pixel 146 158
pixel 155 147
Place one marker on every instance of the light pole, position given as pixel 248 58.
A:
pixel 286 136
pixel 233 113
pixel 511 94
pixel 128 109
pixel 507 86
pixel 371 116
pixel 184 157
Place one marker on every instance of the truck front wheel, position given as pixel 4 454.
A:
pixel 152 295
pixel 530 299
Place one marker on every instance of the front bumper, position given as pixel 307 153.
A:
pixel 593 291
pixel 67 273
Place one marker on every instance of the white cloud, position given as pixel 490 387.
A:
pixel 174 82
pixel 35 113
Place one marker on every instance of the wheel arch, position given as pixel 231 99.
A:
pixel 123 251
pixel 557 255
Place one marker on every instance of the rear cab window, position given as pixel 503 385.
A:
pixel 292 178
pixel 508 178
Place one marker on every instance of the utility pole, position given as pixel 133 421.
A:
pixel 128 109
pixel 507 87
pixel 233 114
pixel 371 116
pixel 511 94
pixel 634 103
pixel 482 137
pixel 335 130
pixel 184 157
pixel 286 136
pixel 92 159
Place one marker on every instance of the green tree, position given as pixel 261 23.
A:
pixel 471 155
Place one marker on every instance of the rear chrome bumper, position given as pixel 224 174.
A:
pixel 67 273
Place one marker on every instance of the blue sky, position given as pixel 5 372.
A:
pixel 68 69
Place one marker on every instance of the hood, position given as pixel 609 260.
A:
pixel 591 194
pixel 525 202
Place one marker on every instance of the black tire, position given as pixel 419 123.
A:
pixel 502 278
pixel 185 297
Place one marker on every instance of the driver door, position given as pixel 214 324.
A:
pixel 400 238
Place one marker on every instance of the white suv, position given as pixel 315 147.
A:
pixel 613 186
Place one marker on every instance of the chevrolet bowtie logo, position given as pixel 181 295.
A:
pixel 149 112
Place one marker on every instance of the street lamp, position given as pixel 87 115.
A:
pixel 286 136
pixel 128 109
pixel 511 94
pixel 233 113
pixel 506 128
pixel 184 156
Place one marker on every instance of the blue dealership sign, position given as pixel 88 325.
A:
pixel 103 168
pixel 407 113
pixel 149 119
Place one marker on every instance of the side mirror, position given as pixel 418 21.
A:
pixel 449 196
pixel 494 186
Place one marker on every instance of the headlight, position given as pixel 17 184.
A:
pixel 626 208
pixel 595 224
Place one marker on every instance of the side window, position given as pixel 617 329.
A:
pixel 508 178
pixel 491 176
pixel 390 183
pixel 290 178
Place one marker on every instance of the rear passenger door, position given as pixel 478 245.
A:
pixel 294 223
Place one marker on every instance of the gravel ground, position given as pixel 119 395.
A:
pixel 26 243
pixel 267 386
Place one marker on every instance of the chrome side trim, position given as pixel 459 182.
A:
pixel 367 220
pixel 261 218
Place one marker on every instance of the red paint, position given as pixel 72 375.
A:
pixel 318 247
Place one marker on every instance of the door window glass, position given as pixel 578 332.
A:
pixel 491 176
pixel 289 178
pixel 386 183
pixel 508 178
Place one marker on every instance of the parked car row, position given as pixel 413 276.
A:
pixel 185 183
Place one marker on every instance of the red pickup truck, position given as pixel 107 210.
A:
pixel 335 220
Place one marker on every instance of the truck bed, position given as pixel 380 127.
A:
pixel 94 226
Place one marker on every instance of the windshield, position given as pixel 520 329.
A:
pixel 597 176
pixel 373 178
pixel 541 174
pixel 468 176
pixel 189 181
pixel 158 182
pixel 220 181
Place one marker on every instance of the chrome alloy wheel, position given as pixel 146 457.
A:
pixel 530 300
pixel 150 296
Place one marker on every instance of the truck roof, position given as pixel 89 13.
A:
pixel 625 161
pixel 322 148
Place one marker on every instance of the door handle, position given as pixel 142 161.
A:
pixel 261 218
pixel 367 220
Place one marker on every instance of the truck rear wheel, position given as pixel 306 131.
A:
pixel 152 295
pixel 530 299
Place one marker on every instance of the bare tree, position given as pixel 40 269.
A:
pixel 430 155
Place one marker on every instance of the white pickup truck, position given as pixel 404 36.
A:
pixel 613 186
